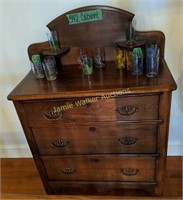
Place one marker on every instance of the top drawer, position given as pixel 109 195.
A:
pixel 73 110
pixel 70 111
pixel 137 108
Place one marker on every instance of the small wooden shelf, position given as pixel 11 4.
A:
pixel 126 45
pixel 62 51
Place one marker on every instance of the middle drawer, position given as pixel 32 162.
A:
pixel 96 138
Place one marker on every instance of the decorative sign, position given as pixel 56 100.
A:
pixel 86 16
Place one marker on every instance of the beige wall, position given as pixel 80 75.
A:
pixel 24 22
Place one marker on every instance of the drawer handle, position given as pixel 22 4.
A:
pixel 127 140
pixel 67 170
pixel 51 115
pixel 60 143
pixel 130 171
pixel 92 129
pixel 127 110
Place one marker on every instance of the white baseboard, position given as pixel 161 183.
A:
pixel 15 151
pixel 175 148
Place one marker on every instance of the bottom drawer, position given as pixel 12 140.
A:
pixel 97 168
pixel 102 188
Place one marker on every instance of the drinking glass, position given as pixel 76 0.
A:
pixel 36 66
pixel 137 61
pixel 131 32
pixel 88 65
pixel 119 58
pixel 99 57
pixel 152 60
pixel 50 69
pixel 82 54
pixel 53 40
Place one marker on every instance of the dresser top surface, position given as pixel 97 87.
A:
pixel 72 83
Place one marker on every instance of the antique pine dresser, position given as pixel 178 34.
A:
pixel 102 134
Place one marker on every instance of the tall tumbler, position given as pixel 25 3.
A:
pixel 137 61
pixel 99 57
pixel 131 32
pixel 50 69
pixel 152 60
pixel 53 40
pixel 36 66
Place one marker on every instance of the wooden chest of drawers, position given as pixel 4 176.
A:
pixel 105 133
pixel 94 142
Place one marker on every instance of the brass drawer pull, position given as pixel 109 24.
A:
pixel 67 170
pixel 127 110
pixel 92 129
pixel 130 171
pixel 60 143
pixel 127 140
pixel 50 115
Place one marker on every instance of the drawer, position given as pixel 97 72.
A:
pixel 97 168
pixel 96 139
pixel 137 108
pixel 116 188
pixel 74 111
pixel 56 112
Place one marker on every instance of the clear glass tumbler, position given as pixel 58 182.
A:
pixel 49 65
pixel 99 57
pixel 82 54
pixel 152 60
pixel 152 66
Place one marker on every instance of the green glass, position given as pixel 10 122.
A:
pixel 131 32
pixel 36 66
pixel 88 66
pixel 53 40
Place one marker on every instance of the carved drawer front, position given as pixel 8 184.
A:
pixel 96 138
pixel 104 168
pixel 137 108
pixel 55 112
